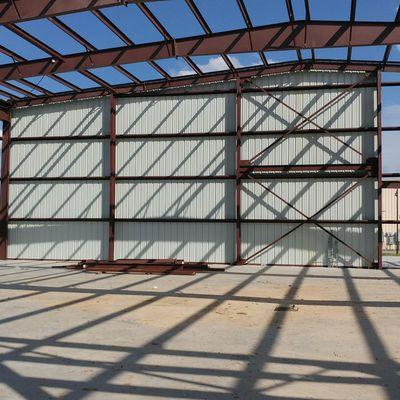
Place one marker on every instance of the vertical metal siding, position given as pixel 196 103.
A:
pixel 58 240
pixel 212 242
pixel 263 113
pixel 308 196
pixel 309 244
pixel 70 118
pixel 176 157
pixel 306 149
pixel 56 159
pixel 175 114
pixel 176 199
pixel 59 200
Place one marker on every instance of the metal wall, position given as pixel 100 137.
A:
pixel 309 244
pixel 38 200
pixel 168 198
pixel 175 196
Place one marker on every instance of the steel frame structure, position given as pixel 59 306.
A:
pixel 292 35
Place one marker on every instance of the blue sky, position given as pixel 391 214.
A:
pixel 180 22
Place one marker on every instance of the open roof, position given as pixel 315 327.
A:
pixel 55 49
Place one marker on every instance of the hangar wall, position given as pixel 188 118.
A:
pixel 175 196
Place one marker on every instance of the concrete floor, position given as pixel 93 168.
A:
pixel 71 335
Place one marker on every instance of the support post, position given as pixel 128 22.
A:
pixel 238 260
pixel 397 219
pixel 5 179
pixel 379 132
pixel 112 149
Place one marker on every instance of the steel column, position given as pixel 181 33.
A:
pixel 5 178
pixel 379 131
pixel 111 222
pixel 238 172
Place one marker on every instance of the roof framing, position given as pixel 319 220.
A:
pixel 291 35
pixel 286 36
pixel 24 10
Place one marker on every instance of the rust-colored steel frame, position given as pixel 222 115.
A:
pixel 373 168
pixel 5 178
pixel 294 34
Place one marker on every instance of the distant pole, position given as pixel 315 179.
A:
pixel 397 219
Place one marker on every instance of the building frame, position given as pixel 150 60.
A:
pixel 291 35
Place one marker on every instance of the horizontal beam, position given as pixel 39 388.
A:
pixel 205 220
pixel 391 184
pixel 23 10
pixel 280 175
pixel 284 36
pixel 158 85
pixel 205 135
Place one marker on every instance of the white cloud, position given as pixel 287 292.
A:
pixel 214 64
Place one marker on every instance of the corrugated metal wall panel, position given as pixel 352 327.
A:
pixel 176 199
pixel 177 157
pixel 59 200
pixel 309 244
pixel 390 208
pixel 309 78
pixel 58 240
pixel 55 159
pixel 210 242
pixel 263 113
pixel 71 118
pixel 176 114
pixel 310 149
pixel 309 196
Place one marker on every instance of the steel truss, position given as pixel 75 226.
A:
pixel 291 35
pixel 372 168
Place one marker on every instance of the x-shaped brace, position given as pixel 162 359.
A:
pixel 308 218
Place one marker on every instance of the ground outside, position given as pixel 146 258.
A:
pixel 271 333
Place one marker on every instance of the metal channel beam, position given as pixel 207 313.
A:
pixel 112 179
pixel 379 134
pixel 238 189
pixel 272 37
pixel 22 10
pixel 5 179
pixel 158 85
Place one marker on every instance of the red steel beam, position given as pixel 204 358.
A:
pixel 289 8
pixel 128 89
pixel 272 37
pixel 390 185
pixel 238 259
pixel 379 134
pixel 23 10
pixel 5 179
pixel 353 8
pixel 112 180
pixel 81 40
pixel 249 24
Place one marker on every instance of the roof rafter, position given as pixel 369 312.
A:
pixel 287 36
pixel 244 73
pixel 57 57
pixel 85 43
pixel 353 9
pixel 249 24
pixel 23 10
pixel 289 8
